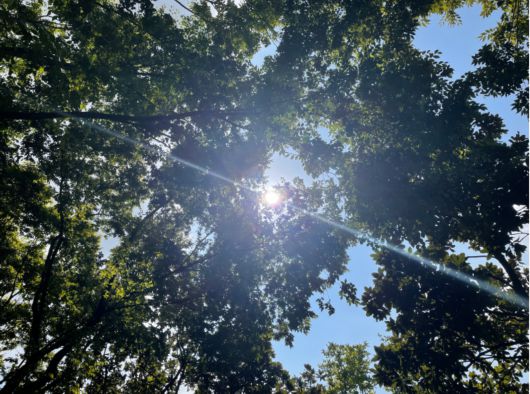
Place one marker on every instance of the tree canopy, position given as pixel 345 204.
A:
pixel 114 116
pixel 346 369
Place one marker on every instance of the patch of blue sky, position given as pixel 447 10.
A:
pixel 457 44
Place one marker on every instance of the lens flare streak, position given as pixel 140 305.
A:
pixel 453 273
pixel 273 198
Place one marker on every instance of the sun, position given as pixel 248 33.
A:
pixel 272 197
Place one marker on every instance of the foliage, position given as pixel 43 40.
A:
pixel 308 382
pixel 98 99
pixel 346 369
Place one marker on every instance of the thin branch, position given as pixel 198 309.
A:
pixel 14 291
pixel 521 239
pixel 186 8
pixel 200 242
pixel 517 283
pixel 135 232
pixel 14 115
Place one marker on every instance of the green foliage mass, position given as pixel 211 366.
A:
pixel 346 369
pixel 95 98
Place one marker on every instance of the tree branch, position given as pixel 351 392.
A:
pixel 186 8
pixel 15 377
pixel 517 283
pixel 15 115
pixel 39 300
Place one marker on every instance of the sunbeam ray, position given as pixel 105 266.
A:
pixel 511 297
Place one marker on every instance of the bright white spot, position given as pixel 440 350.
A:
pixel 272 197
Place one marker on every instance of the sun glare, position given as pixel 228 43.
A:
pixel 272 197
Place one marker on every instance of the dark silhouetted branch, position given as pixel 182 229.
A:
pixel 13 115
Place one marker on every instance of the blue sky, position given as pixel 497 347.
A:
pixel 349 324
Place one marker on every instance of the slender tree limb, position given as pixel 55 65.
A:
pixel 16 377
pixel 51 370
pixel 186 8
pixel 39 300
pixel 182 375
pixel 136 230
pixel 15 115
pixel 516 281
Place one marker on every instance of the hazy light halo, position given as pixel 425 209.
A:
pixel 511 297
pixel 272 197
